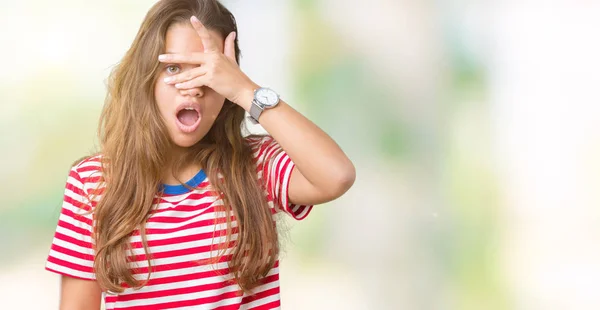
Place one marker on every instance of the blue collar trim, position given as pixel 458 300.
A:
pixel 180 189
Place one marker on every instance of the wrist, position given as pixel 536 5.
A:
pixel 246 95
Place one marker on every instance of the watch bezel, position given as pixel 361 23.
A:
pixel 262 104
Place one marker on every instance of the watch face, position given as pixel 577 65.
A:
pixel 267 97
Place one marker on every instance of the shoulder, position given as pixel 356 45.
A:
pixel 261 146
pixel 86 173
pixel 88 166
pixel 255 141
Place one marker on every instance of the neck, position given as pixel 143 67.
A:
pixel 174 176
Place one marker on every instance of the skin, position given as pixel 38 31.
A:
pixel 79 294
pixel 182 38
pixel 207 74
pixel 322 173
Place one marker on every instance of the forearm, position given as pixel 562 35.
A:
pixel 316 155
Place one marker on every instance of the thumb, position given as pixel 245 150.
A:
pixel 229 48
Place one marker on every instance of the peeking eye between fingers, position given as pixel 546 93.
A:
pixel 172 69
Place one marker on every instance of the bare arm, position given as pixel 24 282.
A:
pixel 78 294
pixel 323 172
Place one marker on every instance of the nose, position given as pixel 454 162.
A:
pixel 193 92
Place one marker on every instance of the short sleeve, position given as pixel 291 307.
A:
pixel 71 252
pixel 274 168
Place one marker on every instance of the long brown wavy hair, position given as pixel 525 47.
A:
pixel 134 147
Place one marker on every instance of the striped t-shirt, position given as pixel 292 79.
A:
pixel 181 231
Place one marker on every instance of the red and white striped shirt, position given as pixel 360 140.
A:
pixel 180 232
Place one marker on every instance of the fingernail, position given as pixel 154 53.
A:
pixel 162 57
pixel 180 85
pixel 168 79
pixel 195 19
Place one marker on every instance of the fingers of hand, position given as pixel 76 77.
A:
pixel 194 58
pixel 186 76
pixel 229 48
pixel 207 40
pixel 195 82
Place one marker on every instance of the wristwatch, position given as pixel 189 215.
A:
pixel 264 98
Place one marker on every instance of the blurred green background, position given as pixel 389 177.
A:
pixel 473 125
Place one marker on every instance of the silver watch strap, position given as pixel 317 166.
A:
pixel 255 110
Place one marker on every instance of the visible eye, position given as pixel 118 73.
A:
pixel 172 69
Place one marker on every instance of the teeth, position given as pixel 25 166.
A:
pixel 189 109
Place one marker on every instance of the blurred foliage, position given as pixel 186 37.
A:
pixel 56 120
pixel 342 94
pixel 338 89
pixel 470 243
pixel 56 126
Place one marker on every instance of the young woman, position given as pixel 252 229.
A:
pixel 176 210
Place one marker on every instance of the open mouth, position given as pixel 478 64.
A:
pixel 188 119
pixel 188 116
